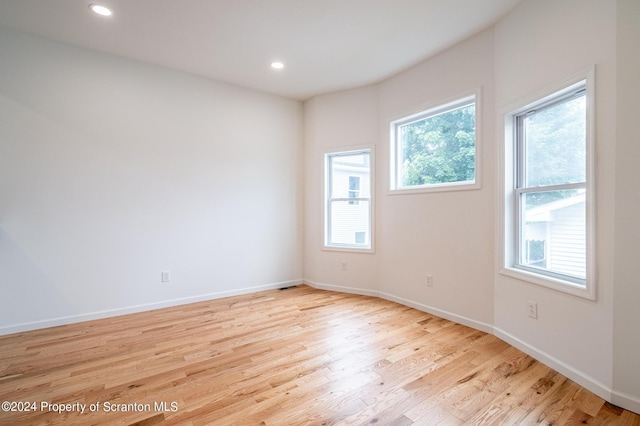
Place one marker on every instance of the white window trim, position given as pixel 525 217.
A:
pixel 325 210
pixel 507 202
pixel 424 112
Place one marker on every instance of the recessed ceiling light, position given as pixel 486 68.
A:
pixel 277 65
pixel 100 10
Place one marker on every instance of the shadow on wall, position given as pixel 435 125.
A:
pixel 21 278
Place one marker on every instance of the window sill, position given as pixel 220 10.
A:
pixel 441 187
pixel 348 249
pixel 568 287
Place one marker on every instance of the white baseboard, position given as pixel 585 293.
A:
pixel 628 402
pixel 341 289
pixel 54 322
pixel 478 325
pixel 624 400
pixel 566 370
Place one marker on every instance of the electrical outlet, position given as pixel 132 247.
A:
pixel 532 309
pixel 166 276
pixel 429 280
pixel 344 266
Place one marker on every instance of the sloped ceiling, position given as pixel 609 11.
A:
pixel 326 45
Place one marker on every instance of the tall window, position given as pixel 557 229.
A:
pixel 348 200
pixel 552 200
pixel 435 148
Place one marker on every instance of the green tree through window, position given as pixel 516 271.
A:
pixel 555 153
pixel 440 148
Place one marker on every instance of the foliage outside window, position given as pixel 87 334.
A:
pixel 435 148
pixel 348 200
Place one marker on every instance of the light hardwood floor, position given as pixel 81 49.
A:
pixel 286 357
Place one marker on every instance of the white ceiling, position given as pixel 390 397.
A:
pixel 327 45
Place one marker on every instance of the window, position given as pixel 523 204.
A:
pixel 435 149
pixel 551 192
pixel 348 200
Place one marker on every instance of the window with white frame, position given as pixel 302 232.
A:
pixel 435 149
pixel 551 242
pixel 348 200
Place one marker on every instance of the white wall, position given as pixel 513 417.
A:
pixel 103 187
pixel 626 319
pixel 336 122
pixel 455 236
pixel 538 45
pixel 112 171
pixel 443 234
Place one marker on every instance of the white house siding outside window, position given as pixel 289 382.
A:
pixel 348 200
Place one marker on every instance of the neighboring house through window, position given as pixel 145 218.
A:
pixel 354 188
pixel 348 209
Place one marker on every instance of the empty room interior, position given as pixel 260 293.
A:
pixel 323 212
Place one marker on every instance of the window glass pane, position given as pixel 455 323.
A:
pixel 554 232
pixel 347 171
pixel 555 140
pixel 350 223
pixel 438 149
pixel 348 214
pixel 354 183
pixel 354 187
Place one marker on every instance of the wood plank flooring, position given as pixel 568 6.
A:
pixel 285 357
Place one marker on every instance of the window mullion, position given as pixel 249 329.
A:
pixel 578 185
pixel 351 199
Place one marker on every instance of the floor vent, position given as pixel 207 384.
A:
pixel 287 288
